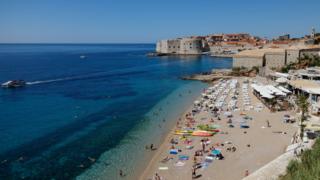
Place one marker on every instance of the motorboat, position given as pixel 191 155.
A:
pixel 13 84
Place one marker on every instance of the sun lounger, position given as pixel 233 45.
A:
pixel 163 168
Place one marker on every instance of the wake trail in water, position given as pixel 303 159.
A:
pixel 50 81
pixel 97 74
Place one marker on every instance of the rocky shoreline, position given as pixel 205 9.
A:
pixel 210 76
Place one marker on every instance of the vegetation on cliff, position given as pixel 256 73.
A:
pixel 304 62
pixel 307 167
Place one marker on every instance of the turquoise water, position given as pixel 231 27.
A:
pixel 88 117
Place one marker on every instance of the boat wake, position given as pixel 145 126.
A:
pixel 97 74
pixel 50 81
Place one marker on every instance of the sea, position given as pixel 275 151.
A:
pixel 89 110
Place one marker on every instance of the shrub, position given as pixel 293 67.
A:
pixel 306 169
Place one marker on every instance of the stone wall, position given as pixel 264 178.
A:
pixel 190 46
pixel 275 60
pixel 292 55
pixel 183 46
pixel 247 62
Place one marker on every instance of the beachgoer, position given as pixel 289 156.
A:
pixel 157 177
pixel 233 149
pixel 203 146
pixel 121 173
pixel 246 173
pixel 194 174
pixel 172 147
pixel 268 124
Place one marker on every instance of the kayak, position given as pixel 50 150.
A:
pixel 202 133
pixel 182 132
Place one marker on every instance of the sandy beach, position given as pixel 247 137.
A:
pixel 253 146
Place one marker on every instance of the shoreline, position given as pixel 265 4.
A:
pixel 163 145
pixel 278 149
pixel 172 106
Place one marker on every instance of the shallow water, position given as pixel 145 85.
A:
pixel 75 110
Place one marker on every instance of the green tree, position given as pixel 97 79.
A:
pixel 285 69
pixel 303 105
pixel 236 71
pixel 255 68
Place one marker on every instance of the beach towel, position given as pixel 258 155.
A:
pixel 163 168
pixel 179 164
pixel 183 157
pixel 174 151
pixel 243 126
pixel 215 152
pixel 209 159
pixel 204 165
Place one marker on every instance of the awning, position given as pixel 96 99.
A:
pixel 284 75
pixel 276 91
pixel 263 91
pixel 314 90
pixel 313 127
pixel 283 89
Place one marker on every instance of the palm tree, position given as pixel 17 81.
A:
pixel 303 105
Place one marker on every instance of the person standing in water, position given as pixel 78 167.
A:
pixel 121 173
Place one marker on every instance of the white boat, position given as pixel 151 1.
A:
pixel 13 84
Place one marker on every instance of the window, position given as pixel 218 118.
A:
pixel 314 98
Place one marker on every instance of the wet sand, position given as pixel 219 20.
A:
pixel 265 145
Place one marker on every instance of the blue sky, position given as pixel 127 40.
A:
pixel 118 21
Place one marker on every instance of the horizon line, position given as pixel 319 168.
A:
pixel 8 43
